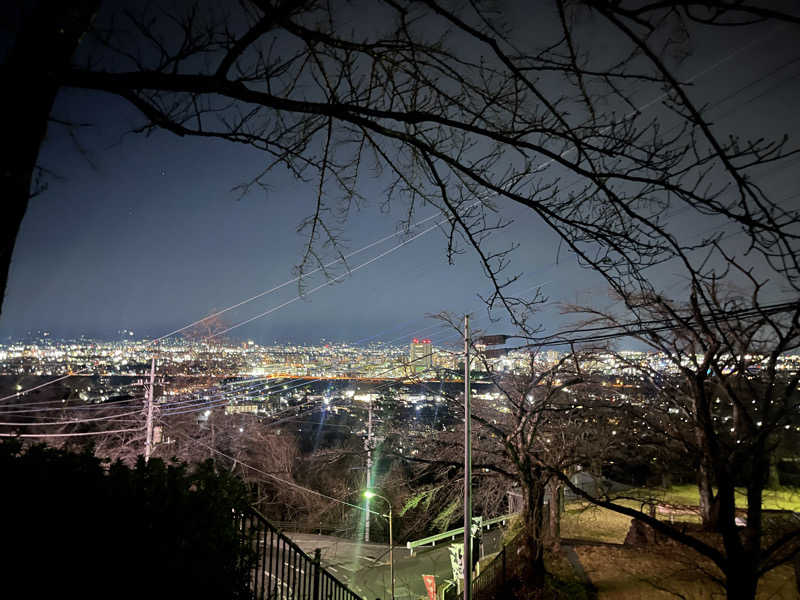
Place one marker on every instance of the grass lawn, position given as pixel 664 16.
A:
pixel 621 573
pixel 784 498
pixel 588 522
pixel 664 571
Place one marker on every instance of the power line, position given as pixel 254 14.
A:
pixel 62 401
pixel 216 398
pixel 298 278
pixel 330 281
pixel 156 340
pixel 271 476
pixel 211 404
pixel 635 327
pixel 58 435
pixel 72 422
pixel 102 406
pixel 41 385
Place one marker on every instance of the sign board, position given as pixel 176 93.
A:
pixel 430 586
pixel 457 560
pixel 477 523
pixel 492 340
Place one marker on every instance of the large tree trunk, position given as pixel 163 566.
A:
pixel 48 38
pixel 554 495
pixel 741 579
pixel 741 547
pixel 708 471
pixel 709 502
pixel 533 490
pixel 744 559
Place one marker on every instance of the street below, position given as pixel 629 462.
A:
pixel 365 569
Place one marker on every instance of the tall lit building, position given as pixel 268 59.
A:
pixel 420 354
pixel 552 356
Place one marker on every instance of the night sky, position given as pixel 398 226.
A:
pixel 146 233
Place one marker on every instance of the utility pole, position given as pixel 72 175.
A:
pixel 467 555
pixel 148 440
pixel 368 448
pixel 490 340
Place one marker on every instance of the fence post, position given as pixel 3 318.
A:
pixel 317 567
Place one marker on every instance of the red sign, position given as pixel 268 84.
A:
pixel 430 585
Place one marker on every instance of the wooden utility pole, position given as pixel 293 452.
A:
pixel 148 440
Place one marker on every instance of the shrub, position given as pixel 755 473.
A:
pixel 75 528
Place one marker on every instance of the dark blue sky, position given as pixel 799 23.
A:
pixel 144 233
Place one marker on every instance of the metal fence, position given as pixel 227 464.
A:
pixel 495 575
pixel 492 581
pixel 280 570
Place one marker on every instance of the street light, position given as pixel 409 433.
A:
pixel 370 494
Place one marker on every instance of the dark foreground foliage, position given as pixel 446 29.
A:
pixel 73 527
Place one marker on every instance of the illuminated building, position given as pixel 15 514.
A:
pixel 420 355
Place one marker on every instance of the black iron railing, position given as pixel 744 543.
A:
pixel 492 581
pixel 279 569
pixel 495 575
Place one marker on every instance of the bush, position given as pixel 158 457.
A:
pixel 74 528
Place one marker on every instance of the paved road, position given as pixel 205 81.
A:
pixel 365 567
pixel 342 557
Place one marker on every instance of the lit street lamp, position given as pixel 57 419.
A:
pixel 370 494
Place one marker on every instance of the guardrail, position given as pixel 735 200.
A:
pixel 478 522
pixel 279 569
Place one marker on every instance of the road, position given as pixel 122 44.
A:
pixel 364 568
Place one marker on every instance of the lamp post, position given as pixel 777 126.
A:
pixel 370 494
pixel 467 554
